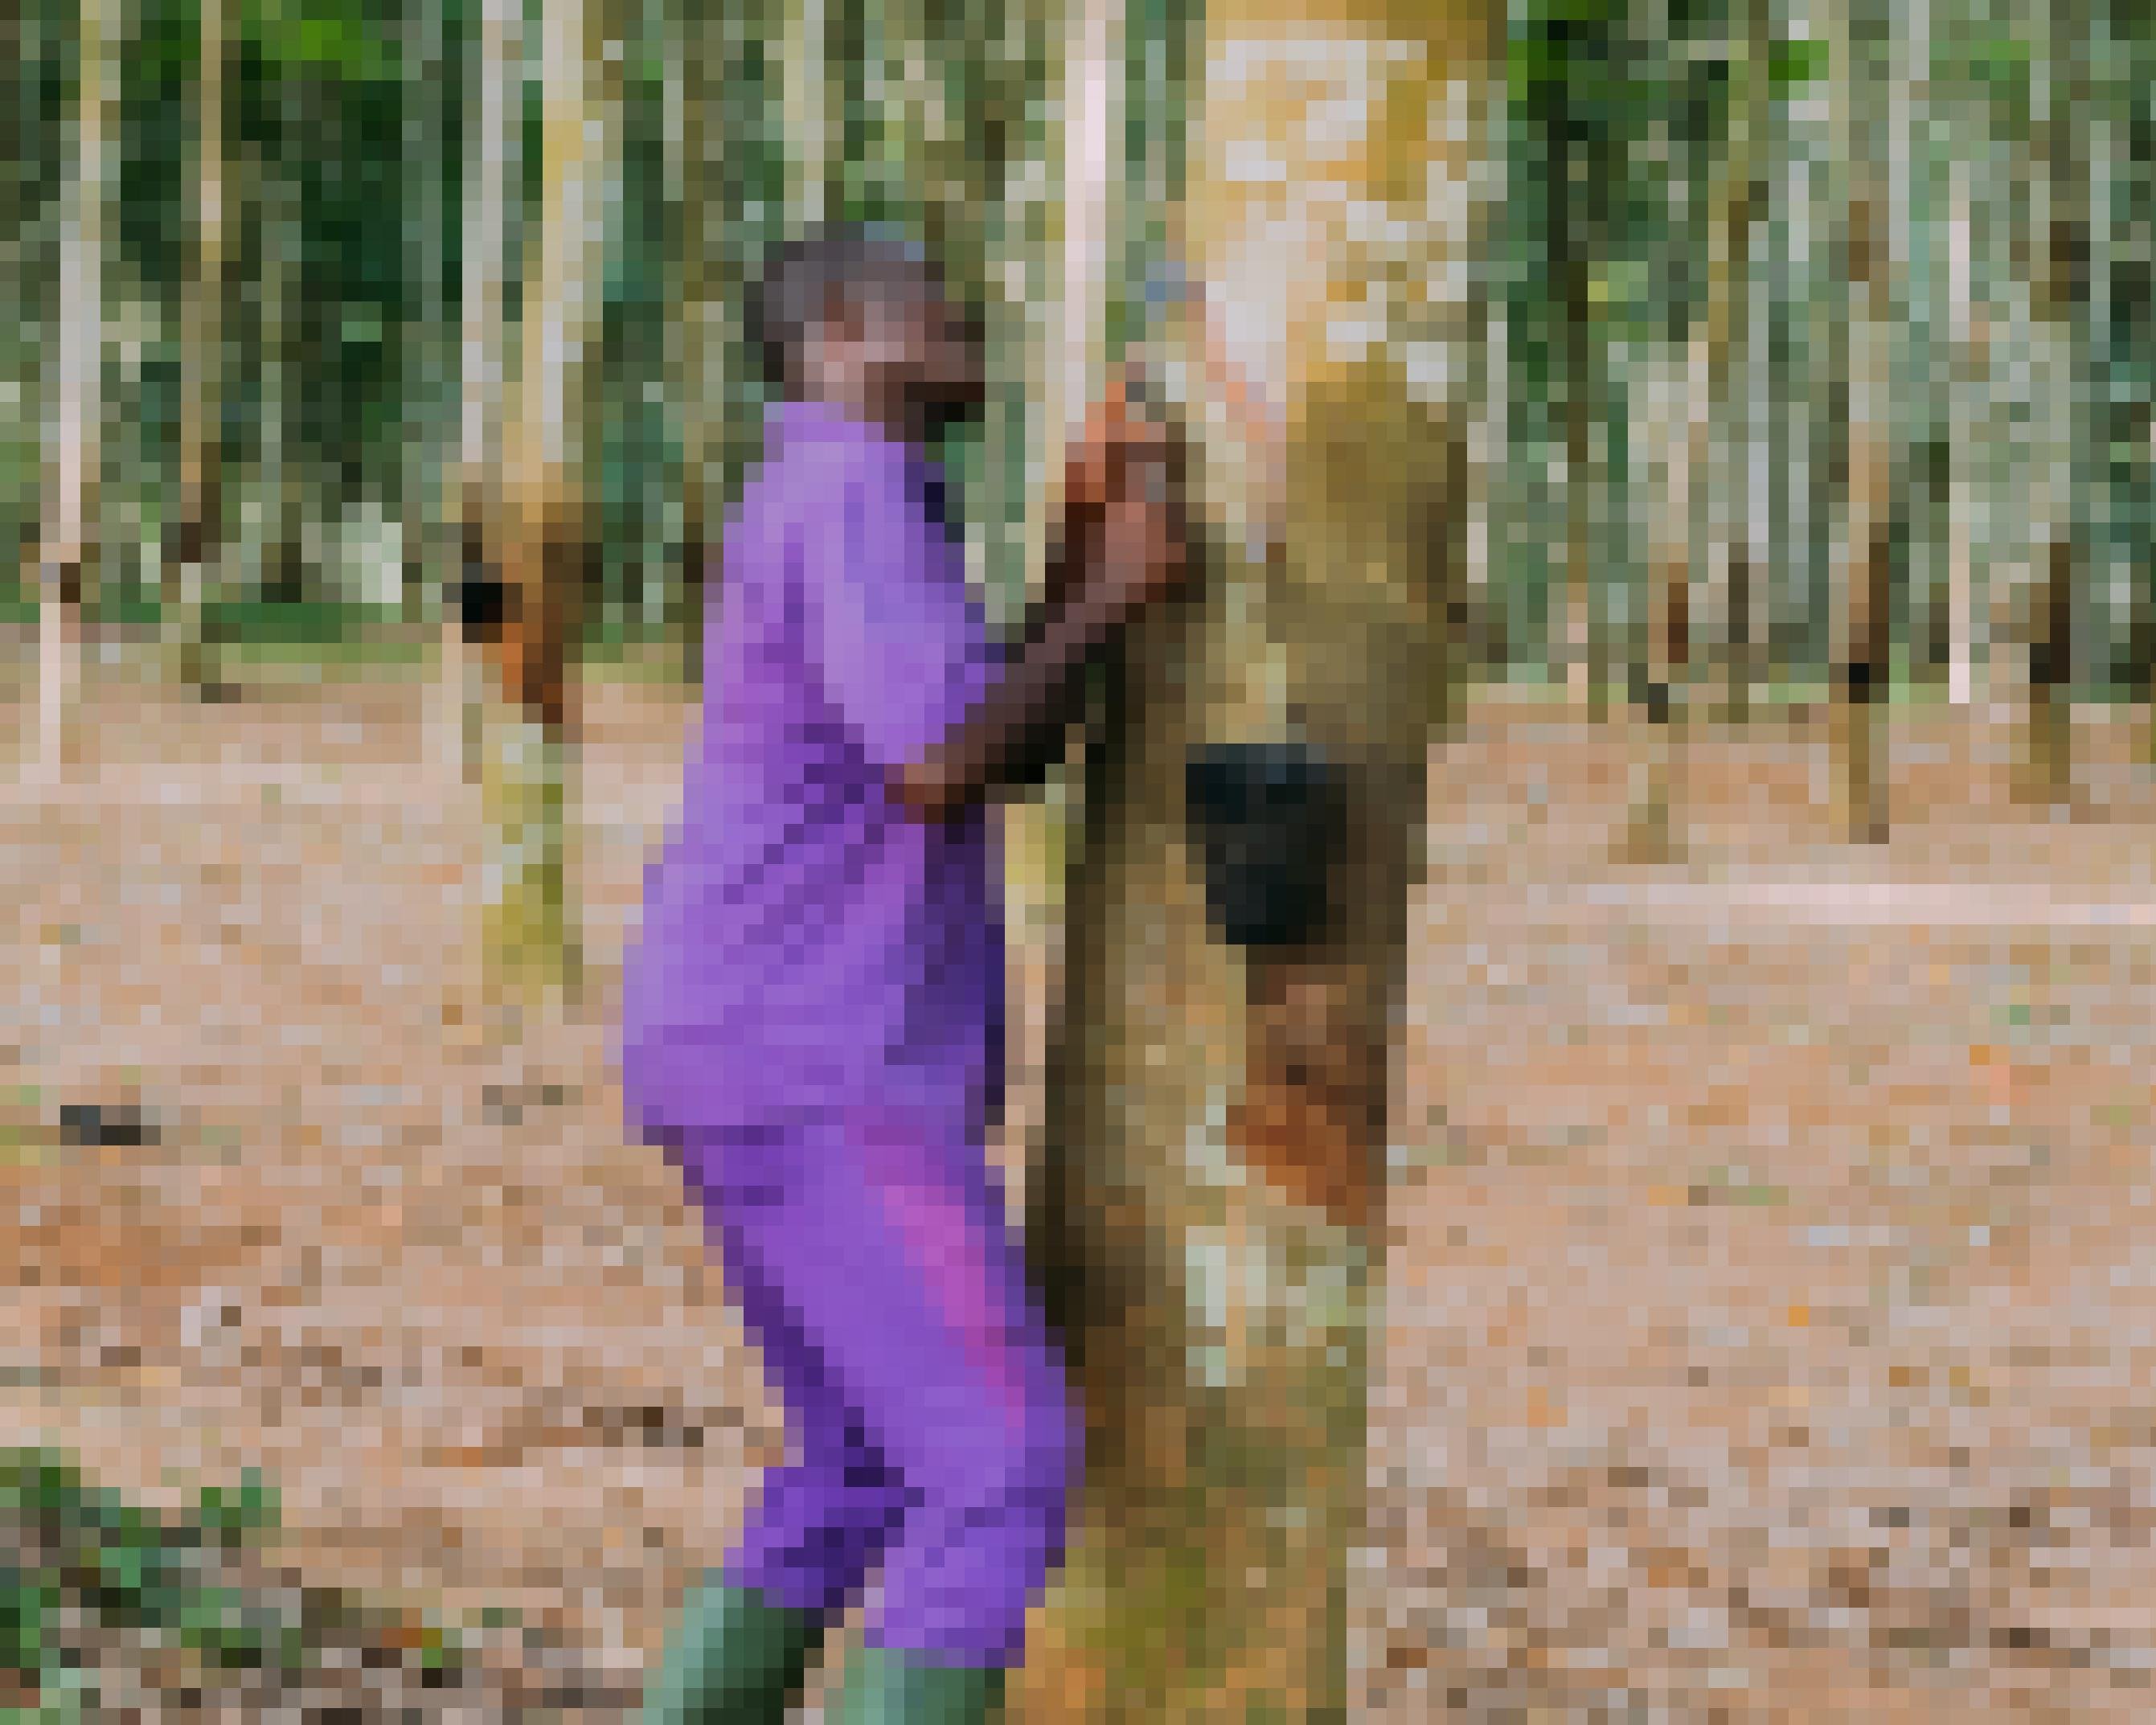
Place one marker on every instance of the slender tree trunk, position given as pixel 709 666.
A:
pixel 67 557
pixel 2059 506
pixel 1732 575
pixel 1862 562
pixel 428 482
pixel 191 544
pixel 695 85
pixel 1209 1221
pixel 547 552
pixel 285 465
pixel 491 156
pixel 807 109
pixel 1867 568
pixel 1575 639
pixel 2137 289
pixel 1700 462
pixel 1961 484
pixel 1671 436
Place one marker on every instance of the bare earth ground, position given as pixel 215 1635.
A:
pixel 1766 1335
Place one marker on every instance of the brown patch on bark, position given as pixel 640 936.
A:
pixel 1311 1108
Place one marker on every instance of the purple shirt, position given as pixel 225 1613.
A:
pixel 807 944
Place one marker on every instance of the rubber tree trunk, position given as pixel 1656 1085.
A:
pixel 2059 509
pixel 67 557
pixel 807 74
pixel 427 495
pixel 491 158
pixel 692 145
pixel 1672 443
pixel 1862 564
pixel 1695 441
pixel 532 943
pixel 192 542
pixel 712 179
pixel 1576 171
pixel 1731 574
pixel 283 463
pixel 1966 344
pixel 1208 1208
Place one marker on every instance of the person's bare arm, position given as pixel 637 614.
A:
pixel 1012 737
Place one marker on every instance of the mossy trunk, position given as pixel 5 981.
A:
pixel 1207 1209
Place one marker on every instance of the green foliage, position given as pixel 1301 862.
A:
pixel 82 1549
pixel 301 623
pixel 1999 70
pixel 345 39
pixel 234 1513
pixel 1798 65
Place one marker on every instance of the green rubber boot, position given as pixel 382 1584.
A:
pixel 735 1659
pixel 887 1688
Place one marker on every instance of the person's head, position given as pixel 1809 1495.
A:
pixel 860 318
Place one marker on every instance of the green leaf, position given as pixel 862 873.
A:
pixel 339 37
pixel 232 1512
pixel 1793 64
pixel 27 1601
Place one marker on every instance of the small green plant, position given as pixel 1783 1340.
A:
pixel 234 1513
pixel 78 1561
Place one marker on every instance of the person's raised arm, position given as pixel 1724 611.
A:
pixel 1117 555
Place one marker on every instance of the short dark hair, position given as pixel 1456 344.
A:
pixel 782 310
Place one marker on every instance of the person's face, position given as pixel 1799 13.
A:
pixel 949 375
pixel 915 354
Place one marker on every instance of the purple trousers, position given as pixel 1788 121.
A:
pixel 930 1430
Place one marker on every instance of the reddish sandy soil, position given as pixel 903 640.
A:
pixel 1767 1337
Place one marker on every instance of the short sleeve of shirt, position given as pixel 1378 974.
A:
pixel 901 647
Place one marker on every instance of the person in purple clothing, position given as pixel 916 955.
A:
pixel 813 1010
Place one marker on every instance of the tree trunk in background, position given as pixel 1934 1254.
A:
pixel 1208 1203
pixel 2135 450
pixel 1672 439
pixel 1731 574
pixel 695 85
pixel 67 555
pixel 493 132
pixel 427 479
pixel 1576 642
pixel 195 528
pixel 807 75
pixel 532 942
pixel 2058 507
pixel 1862 560
pixel 21 142
pixel 1966 345
pixel 277 202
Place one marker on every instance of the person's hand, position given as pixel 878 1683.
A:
pixel 1100 467
pixel 1120 433
pixel 1143 555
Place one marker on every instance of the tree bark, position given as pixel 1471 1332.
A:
pixel 1574 235
pixel 427 481
pixel 2060 261
pixel 1729 335
pixel 192 543
pixel 1967 347
pixel 491 155
pixel 1672 439
pixel 533 943
pixel 1207 1209
pixel 694 136
pixel 1862 563
pixel 67 555
pixel 807 109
